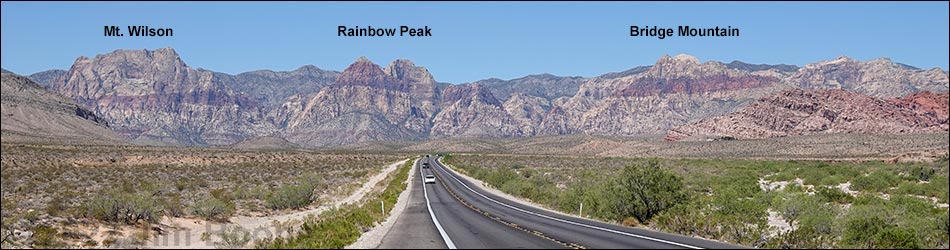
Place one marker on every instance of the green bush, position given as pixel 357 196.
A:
pixel 120 206
pixel 828 194
pixel 896 238
pixel 801 238
pixel 213 209
pixel 644 190
pixel 296 195
pixel 290 196
pixel 46 237
pixel 234 237
pixel 922 173
pixel 877 181
pixel 174 207
pixel 943 224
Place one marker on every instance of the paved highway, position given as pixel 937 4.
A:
pixel 463 215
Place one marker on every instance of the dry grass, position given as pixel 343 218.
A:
pixel 57 186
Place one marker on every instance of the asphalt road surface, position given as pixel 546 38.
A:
pixel 454 213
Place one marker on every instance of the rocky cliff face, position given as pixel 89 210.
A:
pixel 472 111
pixel 879 78
pixel 367 103
pixel 278 92
pixel 35 115
pixel 674 91
pixel 546 86
pixel 154 97
pixel 804 112
pixel 399 102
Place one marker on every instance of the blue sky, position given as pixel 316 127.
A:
pixel 476 40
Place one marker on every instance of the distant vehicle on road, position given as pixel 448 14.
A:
pixel 429 179
pixel 425 165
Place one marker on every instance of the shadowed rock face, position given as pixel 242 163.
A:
pixel 45 78
pixel 803 112
pixel 546 86
pixel 760 67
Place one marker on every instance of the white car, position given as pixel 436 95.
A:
pixel 429 179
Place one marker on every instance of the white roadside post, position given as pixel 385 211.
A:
pixel 582 210
pixel 382 208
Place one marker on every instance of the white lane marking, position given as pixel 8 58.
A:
pixel 565 221
pixel 445 236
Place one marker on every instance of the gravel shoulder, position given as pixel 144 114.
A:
pixel 374 237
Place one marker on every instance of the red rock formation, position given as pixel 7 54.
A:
pixel 801 112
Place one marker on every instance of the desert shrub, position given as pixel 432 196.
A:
pixel 596 195
pixel 630 222
pixel 290 196
pixel 121 206
pixel 296 195
pixel 234 237
pixel 174 207
pixel 922 173
pixel 896 238
pixel 943 226
pixel 643 190
pixel 685 220
pixel 829 194
pixel 801 238
pixel 45 237
pixel 876 181
pixel 213 209
pixel 56 205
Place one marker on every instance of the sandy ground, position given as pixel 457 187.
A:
pixel 187 233
pixel 373 237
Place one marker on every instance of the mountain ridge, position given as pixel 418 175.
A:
pixel 154 96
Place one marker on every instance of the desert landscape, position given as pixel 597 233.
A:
pixel 135 148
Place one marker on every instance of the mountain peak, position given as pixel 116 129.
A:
pixel 681 59
pixel 407 71
pixel 165 50
pixel 685 57
pixel 366 73
pixel 403 61
pixel 842 59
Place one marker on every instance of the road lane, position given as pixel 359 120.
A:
pixel 470 229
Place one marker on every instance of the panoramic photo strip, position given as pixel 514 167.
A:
pixel 475 125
